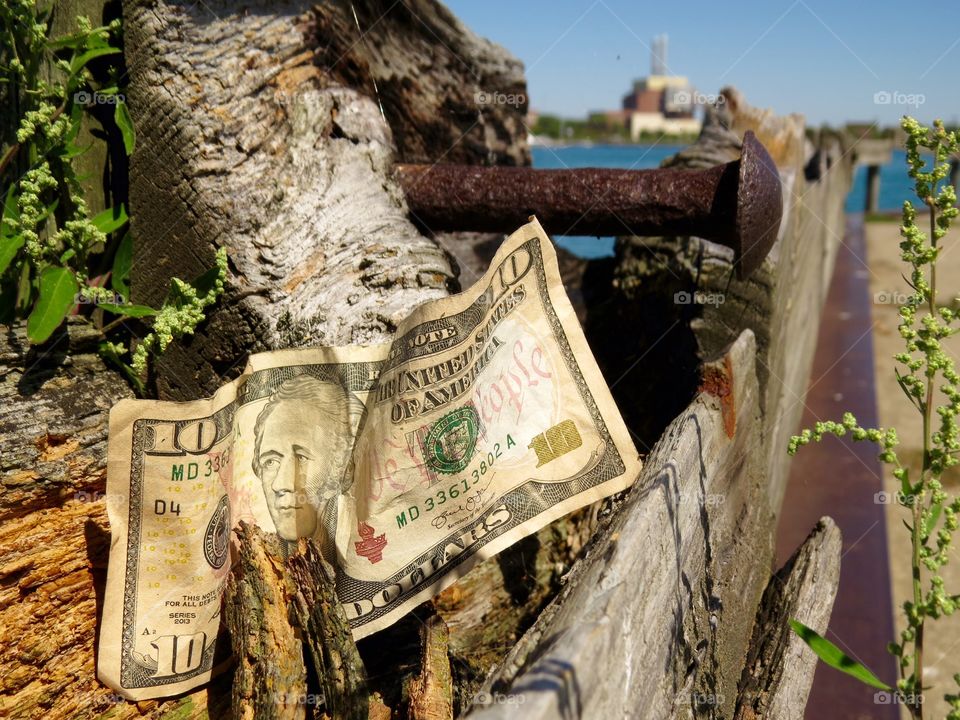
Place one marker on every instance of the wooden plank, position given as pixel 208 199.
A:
pixel 674 630
pixel 649 616
pixel 779 669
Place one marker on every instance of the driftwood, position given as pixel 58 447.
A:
pixel 323 626
pixel 779 669
pixel 53 424
pixel 261 130
pixel 271 677
pixel 280 611
pixel 431 692
pixel 54 539
pixel 674 631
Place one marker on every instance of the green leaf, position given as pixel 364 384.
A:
pixel 206 282
pixel 11 211
pixel 10 243
pixel 109 353
pixel 24 288
pixel 111 219
pixel 135 311
pixel 72 150
pixel 78 40
pixel 79 61
pixel 905 483
pixel 121 116
pixel 58 292
pixel 931 522
pixel 906 390
pixel 9 247
pixel 836 658
pixel 122 262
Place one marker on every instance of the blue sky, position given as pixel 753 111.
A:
pixel 824 59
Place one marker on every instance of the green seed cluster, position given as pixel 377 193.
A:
pixel 924 367
pixel 44 214
pixel 182 317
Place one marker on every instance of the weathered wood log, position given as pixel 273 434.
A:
pixel 431 692
pixel 260 130
pixel 54 537
pixel 326 633
pixel 53 425
pixel 659 610
pixel 270 678
pixel 688 626
pixel 779 669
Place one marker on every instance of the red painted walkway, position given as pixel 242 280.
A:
pixel 839 478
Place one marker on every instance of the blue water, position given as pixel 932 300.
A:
pixel 895 185
pixel 634 157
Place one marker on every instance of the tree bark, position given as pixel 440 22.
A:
pixel 260 130
pixel 270 680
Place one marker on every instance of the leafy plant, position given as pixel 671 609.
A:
pixel 925 368
pixel 56 257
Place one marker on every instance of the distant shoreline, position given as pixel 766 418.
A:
pixel 563 144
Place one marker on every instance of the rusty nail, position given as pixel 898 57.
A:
pixel 738 204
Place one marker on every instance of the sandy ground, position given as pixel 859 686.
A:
pixel 887 287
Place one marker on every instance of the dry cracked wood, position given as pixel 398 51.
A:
pixel 54 536
pixel 53 424
pixel 270 680
pixel 259 130
pixel 660 609
pixel 326 633
pixel 779 670
pixel 431 692
pixel 673 630
pixel 282 611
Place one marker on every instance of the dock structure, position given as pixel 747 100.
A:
pixel 876 152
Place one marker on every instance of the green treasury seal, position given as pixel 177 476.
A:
pixel 452 439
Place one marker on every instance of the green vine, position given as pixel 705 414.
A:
pixel 56 257
pixel 925 368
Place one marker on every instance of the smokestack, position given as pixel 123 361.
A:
pixel 658 55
